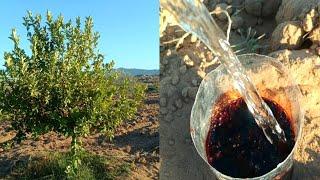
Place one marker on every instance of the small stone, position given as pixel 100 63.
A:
pixel 287 35
pixel 253 7
pixel 198 44
pixel 168 118
pixel 193 38
pixel 194 82
pixel 270 7
pixel 237 22
pixel 163 101
pixel 164 61
pixel 314 36
pixel 142 160
pixel 202 55
pixel 175 80
pixel 192 92
pixel 209 56
pixel 309 21
pixel 184 92
pixel 202 74
pixel 127 149
pixel 179 103
pixel 219 11
pixel 318 51
pixel 171 142
pixel 292 9
pixel 169 52
pixel 229 1
pixel 183 69
pixel 169 90
pixel 313 46
pixel 170 29
pixel 173 108
pixel 188 61
pixel 263 8
pixel 163 110
pixel 137 155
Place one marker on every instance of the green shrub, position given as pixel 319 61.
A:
pixel 152 88
pixel 63 85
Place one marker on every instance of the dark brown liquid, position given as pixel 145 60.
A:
pixel 237 147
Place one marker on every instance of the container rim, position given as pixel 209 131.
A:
pixel 298 138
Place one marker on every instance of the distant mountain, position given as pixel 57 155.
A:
pixel 138 72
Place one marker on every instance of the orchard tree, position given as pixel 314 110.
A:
pixel 63 85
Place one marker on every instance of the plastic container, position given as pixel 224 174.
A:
pixel 272 81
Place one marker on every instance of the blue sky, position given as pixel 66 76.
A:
pixel 128 28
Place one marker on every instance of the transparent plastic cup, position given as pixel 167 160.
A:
pixel 272 81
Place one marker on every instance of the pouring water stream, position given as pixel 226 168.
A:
pixel 194 17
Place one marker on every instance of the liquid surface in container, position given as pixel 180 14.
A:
pixel 237 147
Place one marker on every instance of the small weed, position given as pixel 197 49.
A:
pixel 53 165
pixel 7 145
pixel 152 88
pixel 250 43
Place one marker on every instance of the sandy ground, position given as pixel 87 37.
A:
pixel 304 67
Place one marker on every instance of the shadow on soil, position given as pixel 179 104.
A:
pixel 138 140
pixel 53 166
pixel 309 170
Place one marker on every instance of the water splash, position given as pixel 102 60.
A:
pixel 194 17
